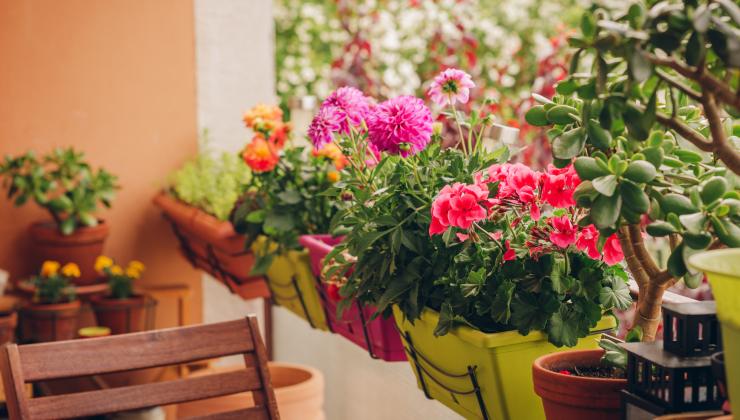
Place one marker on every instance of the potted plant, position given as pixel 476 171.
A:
pixel 53 311
pixel 123 310
pixel 287 201
pixel 578 384
pixel 441 279
pixel 64 184
pixel 201 196
pixel 650 132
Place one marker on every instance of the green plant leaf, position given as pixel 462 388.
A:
pixel 67 226
pixel 605 185
pixel 598 136
pixel 678 204
pixel 676 264
pixel 616 296
pixel 713 188
pixel 640 171
pixel 633 197
pixel 561 114
pixel 660 228
pixel 588 169
pixel 569 144
pixel 536 116
pixel 605 211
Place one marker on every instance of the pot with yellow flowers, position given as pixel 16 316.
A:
pixel 122 310
pixel 53 311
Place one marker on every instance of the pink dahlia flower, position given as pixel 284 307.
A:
pixel 613 250
pixel 450 86
pixel 587 241
pixel 352 105
pixel 563 232
pixel 558 186
pixel 458 205
pixel 401 125
pixel 323 126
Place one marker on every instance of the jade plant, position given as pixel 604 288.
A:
pixel 649 130
pixel 53 284
pixel 212 184
pixel 61 182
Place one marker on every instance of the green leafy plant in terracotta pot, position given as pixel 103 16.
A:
pixel 65 185
pixel 53 311
pixel 122 310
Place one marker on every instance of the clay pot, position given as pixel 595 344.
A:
pixel 299 391
pixel 121 315
pixel 567 397
pixel 8 322
pixel 81 247
pixel 50 322
pixel 213 246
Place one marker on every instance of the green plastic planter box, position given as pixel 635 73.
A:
pixel 480 375
pixel 722 267
pixel 292 286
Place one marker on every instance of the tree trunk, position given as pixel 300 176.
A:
pixel 648 315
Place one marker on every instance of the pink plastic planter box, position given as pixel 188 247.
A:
pixel 379 336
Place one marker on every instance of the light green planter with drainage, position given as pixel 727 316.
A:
pixel 293 286
pixel 449 367
pixel 722 267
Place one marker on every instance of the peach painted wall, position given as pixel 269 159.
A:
pixel 115 78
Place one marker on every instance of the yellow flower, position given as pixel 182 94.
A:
pixel 116 270
pixel 136 265
pixel 132 272
pixel 333 176
pixel 102 262
pixel 49 268
pixel 71 270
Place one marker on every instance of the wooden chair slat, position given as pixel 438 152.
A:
pixel 252 413
pixel 146 349
pixel 141 396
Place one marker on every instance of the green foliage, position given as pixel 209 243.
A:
pixel 633 121
pixel 287 202
pixel 60 182
pixel 212 185
pixel 55 288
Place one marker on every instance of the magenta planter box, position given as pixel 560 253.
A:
pixel 379 336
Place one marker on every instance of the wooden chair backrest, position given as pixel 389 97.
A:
pixel 66 359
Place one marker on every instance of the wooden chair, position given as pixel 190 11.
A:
pixel 64 359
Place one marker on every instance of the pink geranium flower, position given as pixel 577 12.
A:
pixel 613 250
pixel 401 125
pixel 558 186
pixel 325 123
pixel 450 86
pixel 563 232
pixel 524 182
pixel 509 254
pixel 351 105
pixel 458 205
pixel 587 241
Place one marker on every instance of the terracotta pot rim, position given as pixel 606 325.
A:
pixel 47 231
pixel 110 301
pixel 196 221
pixel 541 368
pixel 52 307
pixel 297 389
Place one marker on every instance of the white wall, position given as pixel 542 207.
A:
pixel 234 49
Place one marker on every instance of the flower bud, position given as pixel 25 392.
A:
pixel 437 128
pixel 347 196
pixel 405 147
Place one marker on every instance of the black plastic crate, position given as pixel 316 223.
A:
pixel 691 329
pixel 674 383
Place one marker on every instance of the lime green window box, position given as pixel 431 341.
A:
pixel 480 375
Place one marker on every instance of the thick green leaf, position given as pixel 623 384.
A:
pixel 536 116
pixel 561 114
pixel 676 264
pixel 569 144
pixel 598 136
pixel 640 171
pixel 726 231
pixel 713 188
pixel 605 211
pixel 678 204
pixel 693 222
pixel 605 185
pixel 588 169
pixel 633 197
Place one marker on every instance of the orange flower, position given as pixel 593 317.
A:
pixel 263 115
pixel 260 155
pixel 332 176
pixel 333 152
pixel 280 134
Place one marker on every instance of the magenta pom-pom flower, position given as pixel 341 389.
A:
pixel 325 123
pixel 450 86
pixel 351 105
pixel 400 125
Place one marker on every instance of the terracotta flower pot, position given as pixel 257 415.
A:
pixel 569 397
pixel 8 322
pixel 81 247
pixel 121 315
pixel 213 246
pixel 50 322
pixel 299 391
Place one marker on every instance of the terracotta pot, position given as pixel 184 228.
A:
pixel 121 315
pixel 567 397
pixel 299 391
pixel 81 247
pixel 8 322
pixel 50 322
pixel 213 246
